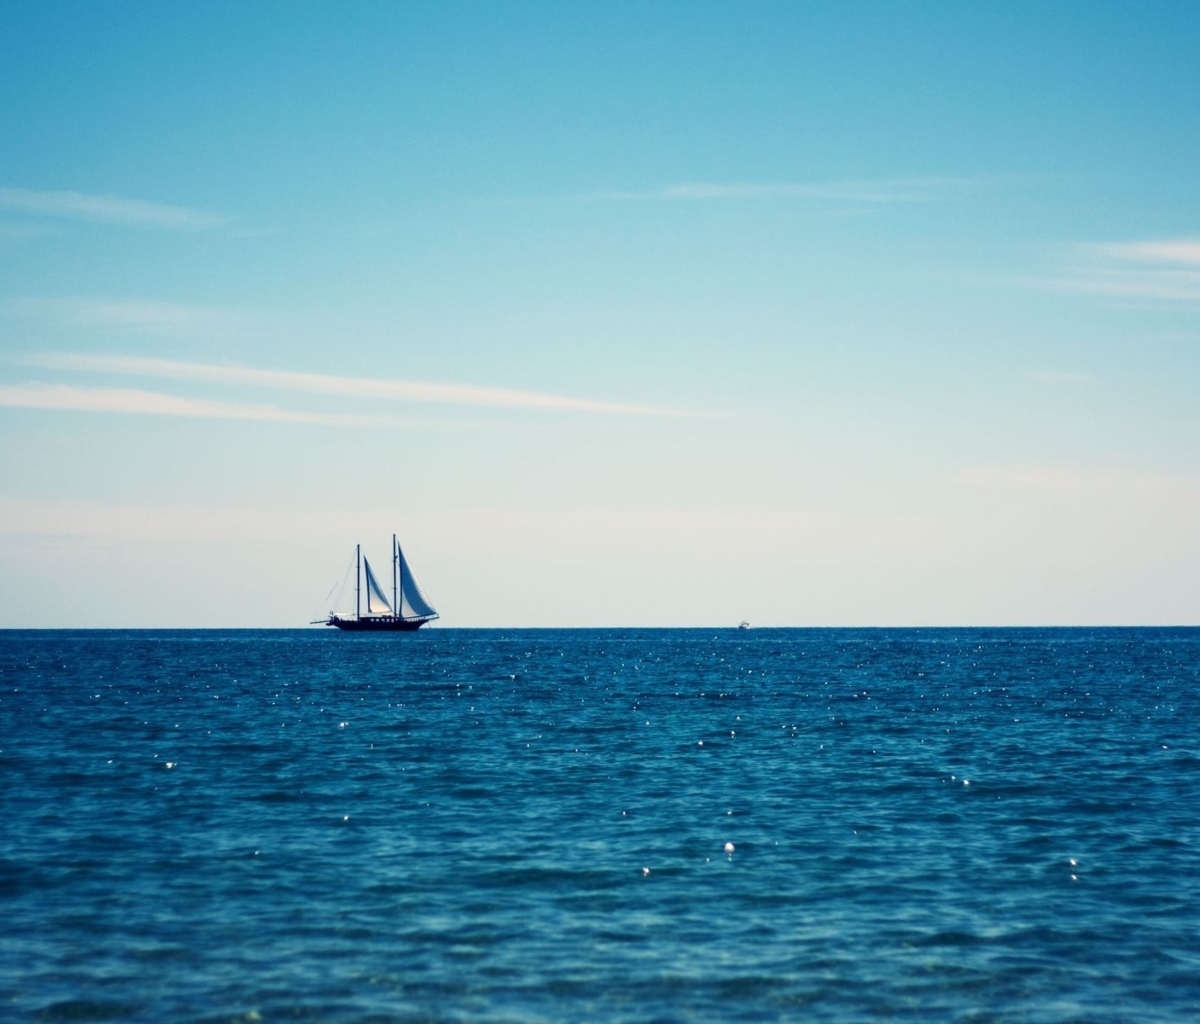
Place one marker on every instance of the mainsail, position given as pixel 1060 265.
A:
pixel 377 604
pixel 413 602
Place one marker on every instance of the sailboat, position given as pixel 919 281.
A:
pixel 409 608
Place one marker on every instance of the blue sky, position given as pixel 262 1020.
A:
pixel 672 314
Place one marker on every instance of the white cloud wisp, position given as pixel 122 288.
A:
pixel 882 190
pixel 67 398
pixel 345 387
pixel 1074 480
pixel 138 317
pixel 1180 251
pixel 1156 270
pixel 107 209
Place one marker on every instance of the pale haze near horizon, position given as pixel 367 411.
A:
pixel 677 314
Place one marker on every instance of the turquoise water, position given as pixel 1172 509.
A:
pixel 927 825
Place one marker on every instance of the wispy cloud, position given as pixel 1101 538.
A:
pixel 107 209
pixel 64 397
pixel 1057 376
pixel 20 230
pixel 1155 270
pixel 878 190
pixel 118 316
pixel 324 384
pixel 1066 480
pixel 86 518
pixel 1180 251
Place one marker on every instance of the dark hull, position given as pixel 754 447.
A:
pixel 376 625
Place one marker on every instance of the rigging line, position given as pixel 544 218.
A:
pixel 345 580
pixel 325 599
pixel 325 606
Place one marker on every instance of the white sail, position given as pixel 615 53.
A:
pixel 377 604
pixel 413 602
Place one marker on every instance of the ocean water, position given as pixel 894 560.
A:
pixel 473 825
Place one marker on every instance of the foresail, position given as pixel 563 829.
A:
pixel 413 602
pixel 377 604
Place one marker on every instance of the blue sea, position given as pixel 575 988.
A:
pixel 600 825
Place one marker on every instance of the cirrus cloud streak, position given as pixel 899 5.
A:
pixel 107 209
pixel 68 398
pixel 880 190
pixel 388 389
pixel 1165 270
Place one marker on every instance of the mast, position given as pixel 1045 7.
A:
pixel 399 577
pixel 357 582
pixel 395 577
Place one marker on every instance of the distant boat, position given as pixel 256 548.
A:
pixel 743 624
pixel 408 610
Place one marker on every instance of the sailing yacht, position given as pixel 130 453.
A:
pixel 409 608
